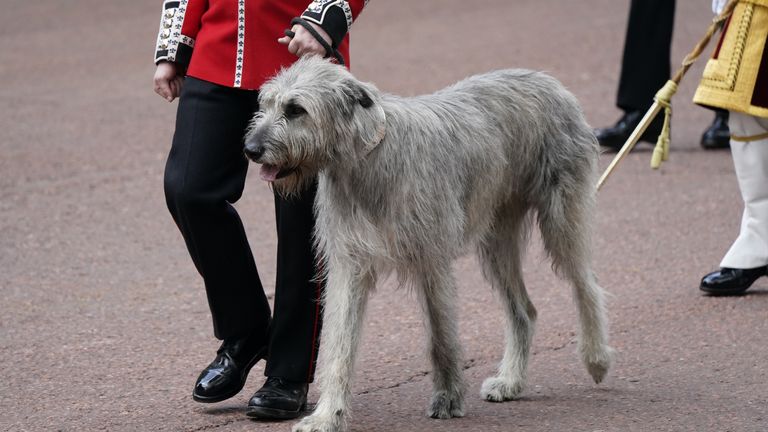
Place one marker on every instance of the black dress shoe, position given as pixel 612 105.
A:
pixel 730 281
pixel 717 135
pixel 226 375
pixel 615 136
pixel 278 399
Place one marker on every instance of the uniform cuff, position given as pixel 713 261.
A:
pixel 171 45
pixel 333 16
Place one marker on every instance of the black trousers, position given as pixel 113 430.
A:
pixel 645 66
pixel 204 175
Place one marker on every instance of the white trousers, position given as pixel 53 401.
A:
pixel 750 158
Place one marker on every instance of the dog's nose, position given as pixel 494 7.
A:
pixel 254 152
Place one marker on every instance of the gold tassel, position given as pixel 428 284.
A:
pixel 664 97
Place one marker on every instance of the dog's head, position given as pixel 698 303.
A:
pixel 312 115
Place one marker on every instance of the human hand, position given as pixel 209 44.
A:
pixel 303 43
pixel 167 81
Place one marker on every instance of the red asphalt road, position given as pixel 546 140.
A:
pixel 103 320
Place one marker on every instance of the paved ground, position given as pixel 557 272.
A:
pixel 104 324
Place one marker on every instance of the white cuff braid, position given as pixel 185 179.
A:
pixel 171 44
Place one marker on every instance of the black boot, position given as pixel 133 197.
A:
pixel 278 399
pixel 615 136
pixel 717 135
pixel 226 375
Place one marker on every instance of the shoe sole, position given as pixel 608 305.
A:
pixel 723 293
pixel 219 398
pixel 273 413
pixel 715 146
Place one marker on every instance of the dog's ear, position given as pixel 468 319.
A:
pixel 368 115
pixel 357 94
pixel 364 99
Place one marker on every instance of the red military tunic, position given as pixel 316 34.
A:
pixel 234 42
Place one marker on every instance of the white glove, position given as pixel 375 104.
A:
pixel 717 6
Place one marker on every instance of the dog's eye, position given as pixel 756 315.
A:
pixel 293 110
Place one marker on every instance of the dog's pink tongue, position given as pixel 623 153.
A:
pixel 269 172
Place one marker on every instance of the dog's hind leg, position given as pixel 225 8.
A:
pixel 436 290
pixel 345 300
pixel 501 253
pixel 564 220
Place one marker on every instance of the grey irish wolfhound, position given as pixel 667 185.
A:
pixel 408 184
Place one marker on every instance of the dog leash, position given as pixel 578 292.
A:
pixel 662 100
pixel 330 51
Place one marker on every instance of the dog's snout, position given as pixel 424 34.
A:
pixel 254 151
pixel 254 144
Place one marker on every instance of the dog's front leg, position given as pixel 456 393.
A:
pixel 346 296
pixel 437 294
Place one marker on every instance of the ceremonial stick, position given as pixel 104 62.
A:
pixel 631 141
pixel 662 100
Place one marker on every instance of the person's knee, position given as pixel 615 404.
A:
pixel 192 195
pixel 181 196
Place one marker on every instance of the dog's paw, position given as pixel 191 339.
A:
pixel 317 423
pixel 598 362
pixel 496 389
pixel 445 405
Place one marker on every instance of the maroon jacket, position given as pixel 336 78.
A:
pixel 234 42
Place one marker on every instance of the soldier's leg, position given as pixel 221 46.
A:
pixel 294 336
pixel 750 159
pixel 645 64
pixel 747 258
pixel 295 330
pixel 204 175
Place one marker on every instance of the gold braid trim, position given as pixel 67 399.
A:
pixel 750 138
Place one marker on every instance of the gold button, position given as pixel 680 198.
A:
pixel 167 23
pixel 169 13
pixel 166 34
pixel 163 46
